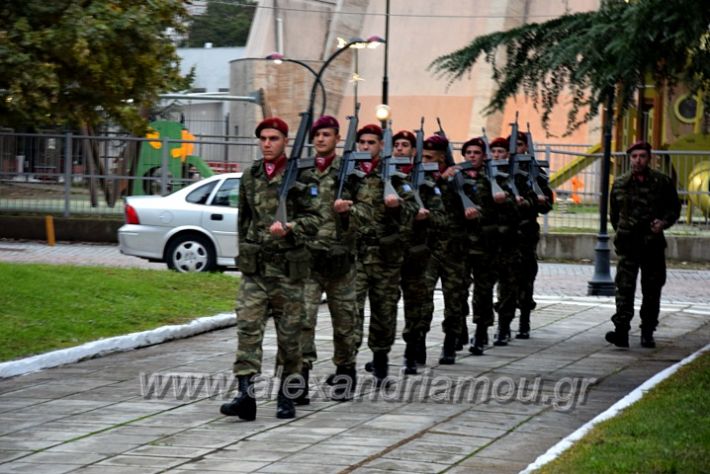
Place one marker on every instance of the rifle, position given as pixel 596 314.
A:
pixel 538 169
pixel 389 164
pixel 514 159
pixel 350 155
pixel 492 168
pixel 459 180
pixel 420 169
pixel 294 165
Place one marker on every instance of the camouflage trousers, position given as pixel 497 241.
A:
pixel 342 305
pixel 482 267
pixel 378 282
pixel 507 264
pixel 258 298
pixel 651 261
pixel 526 277
pixel 452 270
pixel 416 297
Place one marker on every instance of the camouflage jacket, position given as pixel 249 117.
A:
pixel 633 204
pixel 532 208
pixel 258 200
pixel 423 231
pixel 481 232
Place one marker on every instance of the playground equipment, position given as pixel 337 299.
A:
pixel 174 142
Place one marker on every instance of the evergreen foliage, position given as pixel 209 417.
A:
pixel 222 25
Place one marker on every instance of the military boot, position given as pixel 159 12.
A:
pixel 421 351
pixel 503 334
pixel 462 339
pixel 380 366
pixel 647 340
pixel 302 398
pixel 244 404
pixel 448 352
pixel 410 358
pixel 284 403
pixel 524 327
pixel 344 383
pixel 618 337
pixel 479 341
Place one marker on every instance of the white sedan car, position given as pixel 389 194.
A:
pixel 193 229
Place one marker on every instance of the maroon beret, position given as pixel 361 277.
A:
pixel 478 141
pixel 272 122
pixel 640 145
pixel 521 137
pixel 500 142
pixel 405 135
pixel 326 121
pixel 370 129
pixel 436 142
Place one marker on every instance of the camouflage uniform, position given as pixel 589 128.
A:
pixel 333 251
pixel 415 293
pixel 381 233
pixel 273 268
pixel 634 204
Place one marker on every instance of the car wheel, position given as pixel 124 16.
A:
pixel 191 253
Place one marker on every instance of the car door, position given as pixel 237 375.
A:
pixel 220 217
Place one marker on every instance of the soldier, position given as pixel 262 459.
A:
pixel 381 225
pixel 529 233
pixel 482 233
pixel 333 272
pixel 508 258
pixel 448 260
pixel 643 203
pixel 417 254
pixel 274 264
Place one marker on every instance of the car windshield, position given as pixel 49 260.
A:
pixel 227 194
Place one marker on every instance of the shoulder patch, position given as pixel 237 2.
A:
pixel 406 188
pixel 313 190
pixel 437 191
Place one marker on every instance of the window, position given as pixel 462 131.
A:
pixel 200 195
pixel 227 194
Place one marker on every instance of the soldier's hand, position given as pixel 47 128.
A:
pixel 520 201
pixel 657 226
pixel 471 213
pixel 450 171
pixel 391 200
pixel 279 230
pixel 541 198
pixel 422 214
pixel 342 205
pixel 499 197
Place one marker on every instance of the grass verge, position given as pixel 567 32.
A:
pixel 47 307
pixel 667 431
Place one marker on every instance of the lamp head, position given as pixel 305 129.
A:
pixel 383 112
pixel 277 58
pixel 374 41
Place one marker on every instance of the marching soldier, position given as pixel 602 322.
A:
pixel 381 225
pixel 274 264
pixel 333 272
pixel 643 203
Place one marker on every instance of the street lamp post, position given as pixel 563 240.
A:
pixel 385 79
pixel 278 58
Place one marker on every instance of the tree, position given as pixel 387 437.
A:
pixel 594 55
pixel 79 62
pixel 222 24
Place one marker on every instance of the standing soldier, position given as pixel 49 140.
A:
pixel 529 237
pixel 381 225
pixel 643 203
pixel 274 264
pixel 333 272
pixel 417 254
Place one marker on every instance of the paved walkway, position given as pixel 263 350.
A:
pixel 156 409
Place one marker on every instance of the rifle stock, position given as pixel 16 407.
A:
pixel 537 168
pixel 389 165
pixel 350 155
pixel 295 163
pixel 492 168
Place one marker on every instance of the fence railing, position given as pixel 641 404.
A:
pixel 68 174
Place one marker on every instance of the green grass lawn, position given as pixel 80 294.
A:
pixel 667 431
pixel 46 307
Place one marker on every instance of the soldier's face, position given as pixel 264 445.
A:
pixel 370 142
pixel 403 147
pixel 499 153
pixel 272 143
pixel 520 147
pixel 474 154
pixel 431 156
pixel 639 161
pixel 325 140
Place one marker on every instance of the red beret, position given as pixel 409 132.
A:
pixel 405 135
pixel 272 122
pixel 370 129
pixel 500 142
pixel 473 142
pixel 521 137
pixel 641 145
pixel 436 142
pixel 326 121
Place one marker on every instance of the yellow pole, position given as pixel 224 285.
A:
pixel 49 227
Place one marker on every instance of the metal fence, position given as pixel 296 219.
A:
pixel 69 174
